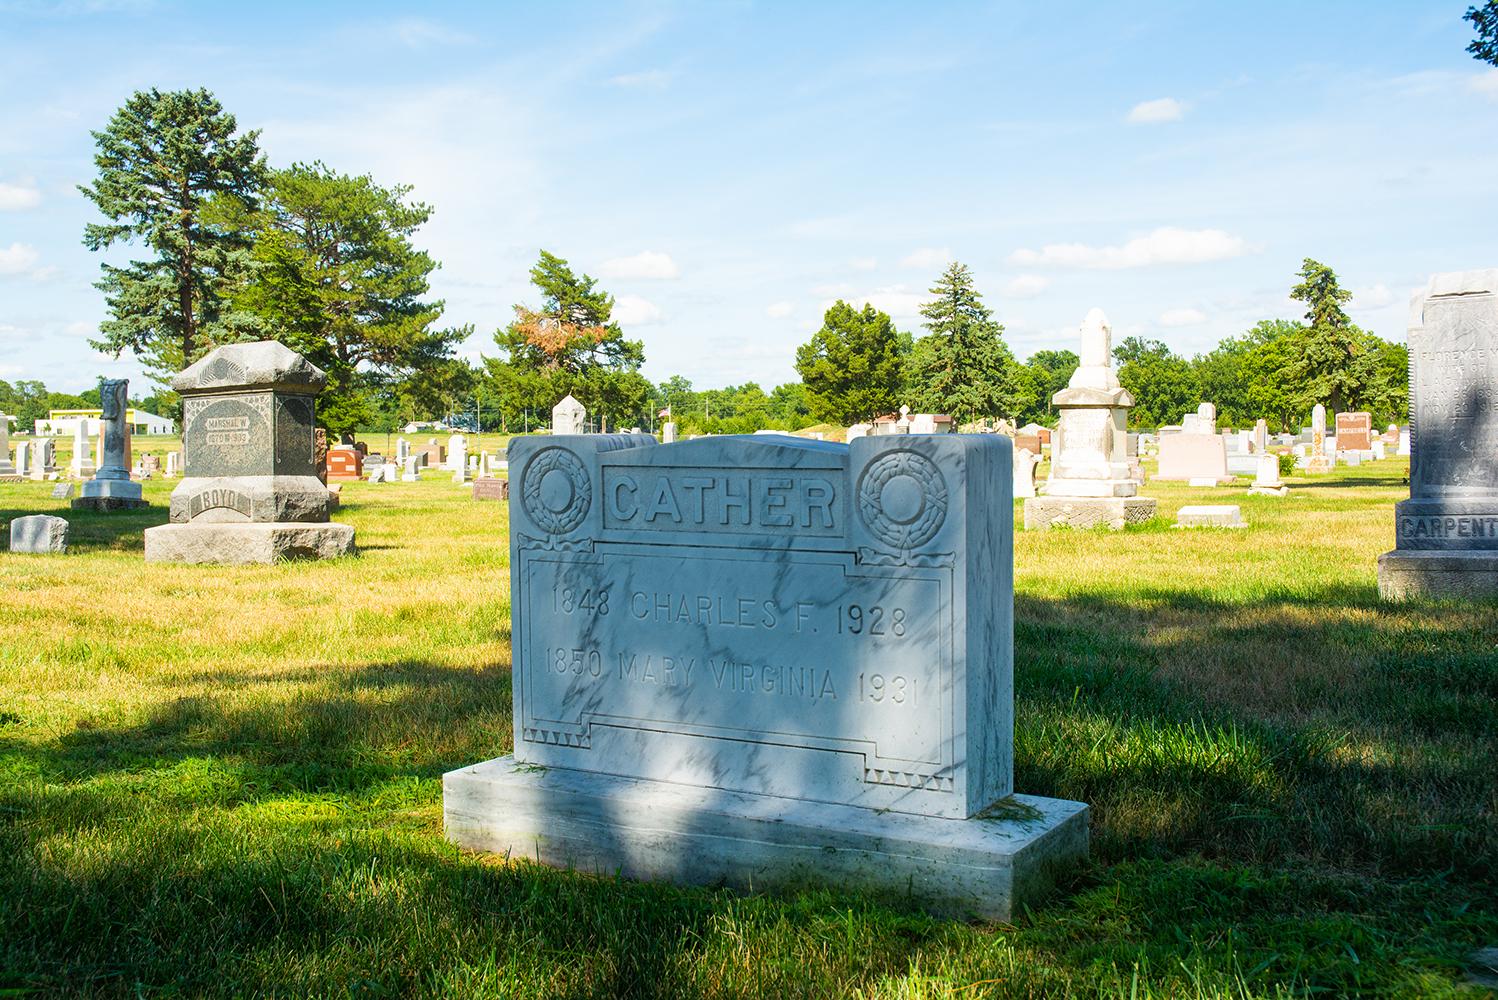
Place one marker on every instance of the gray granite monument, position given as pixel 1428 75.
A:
pixel 39 534
pixel 250 492
pixel 111 488
pixel 765 660
pixel 1446 533
pixel 1091 481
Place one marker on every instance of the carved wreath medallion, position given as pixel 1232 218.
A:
pixel 902 498
pixel 557 492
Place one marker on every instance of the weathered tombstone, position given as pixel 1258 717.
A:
pixel 23 459
pixel 111 488
pixel 668 432
pixel 457 453
pixel 320 454
pixel 251 492
pixel 44 459
pixel 1261 436
pixel 1355 432
pixel 7 467
pixel 1318 460
pixel 1267 479
pixel 1024 473
pixel 837 706
pixel 62 491
pixel 1446 533
pixel 1197 454
pixel 408 470
pixel 402 450
pixel 1210 516
pixel 569 417
pixel 491 488
pixel 1090 481
pixel 1380 450
pixel 39 534
pixel 173 464
pixel 856 431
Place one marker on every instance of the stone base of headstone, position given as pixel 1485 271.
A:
pixel 1319 464
pixel 103 504
pixel 39 534
pixel 1224 515
pixel 249 542
pixel 654 831
pixel 1088 512
pixel 1409 573
pixel 1269 491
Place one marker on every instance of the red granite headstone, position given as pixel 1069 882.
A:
pixel 320 454
pixel 1355 431
pixel 345 463
pixel 491 488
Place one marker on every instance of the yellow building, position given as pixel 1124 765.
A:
pixel 65 422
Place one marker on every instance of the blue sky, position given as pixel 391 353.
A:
pixel 727 170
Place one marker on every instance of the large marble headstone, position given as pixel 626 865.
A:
pixel 763 659
pixel 1091 477
pixel 250 491
pixel 1446 533
pixel 111 488
pixel 1319 460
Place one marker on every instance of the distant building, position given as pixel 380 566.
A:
pixel 65 422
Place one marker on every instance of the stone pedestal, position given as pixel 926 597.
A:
pixel 1412 573
pixel 247 543
pixel 111 488
pixel 1087 512
pixel 651 830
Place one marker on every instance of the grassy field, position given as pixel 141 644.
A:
pixel 226 781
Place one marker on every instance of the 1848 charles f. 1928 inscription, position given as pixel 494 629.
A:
pixel 710 633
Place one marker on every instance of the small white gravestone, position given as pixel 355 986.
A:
pixel 668 432
pixel 1380 452
pixel 457 453
pixel 1319 455
pixel 62 491
pixel 1210 516
pixel 569 417
pixel 859 430
pixel 173 464
pixel 402 450
pixel 7 467
pixel 1024 473
pixel 765 660
pixel 39 534
pixel 408 469
pixel 23 458
pixel 1267 481
pixel 1261 436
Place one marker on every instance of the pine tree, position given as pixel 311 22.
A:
pixel 962 367
pixel 1330 361
pixel 161 159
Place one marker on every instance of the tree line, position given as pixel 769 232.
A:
pixel 237 249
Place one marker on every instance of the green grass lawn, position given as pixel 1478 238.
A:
pixel 226 781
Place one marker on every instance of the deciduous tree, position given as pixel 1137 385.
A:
pixel 852 368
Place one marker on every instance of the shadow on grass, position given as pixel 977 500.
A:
pixel 95 531
pixel 1308 727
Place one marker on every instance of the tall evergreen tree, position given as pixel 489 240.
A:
pixel 853 368
pixel 1485 20
pixel 569 345
pixel 962 367
pixel 335 276
pixel 161 159
pixel 1330 362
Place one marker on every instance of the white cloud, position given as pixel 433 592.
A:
pixel 1165 109
pixel 646 264
pixel 1485 84
pixel 1026 286
pixel 841 290
pixel 17 259
pixel 15 197
pixel 1373 297
pixel 650 79
pixel 779 310
pixel 631 310
pixel 1182 317
pixel 1167 245
pixel 863 263
pixel 928 258
pixel 898 300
